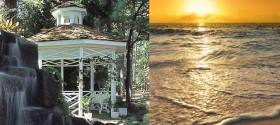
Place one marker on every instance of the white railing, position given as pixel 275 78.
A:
pixel 72 98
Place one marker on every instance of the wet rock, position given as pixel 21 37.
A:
pixel 79 121
pixel 9 83
pixel 7 61
pixel 48 90
pixel 29 53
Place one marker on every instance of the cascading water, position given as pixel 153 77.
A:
pixel 21 100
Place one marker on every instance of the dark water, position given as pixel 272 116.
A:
pixel 214 73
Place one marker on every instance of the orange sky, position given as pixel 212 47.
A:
pixel 214 11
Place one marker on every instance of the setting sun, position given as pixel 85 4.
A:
pixel 200 7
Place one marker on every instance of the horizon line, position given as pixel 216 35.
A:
pixel 215 22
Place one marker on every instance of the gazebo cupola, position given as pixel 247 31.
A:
pixel 69 13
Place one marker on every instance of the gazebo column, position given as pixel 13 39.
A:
pixel 113 82
pixel 92 78
pixel 72 18
pixel 62 18
pixel 80 81
pixel 62 72
pixel 40 62
pixel 58 20
pixel 80 18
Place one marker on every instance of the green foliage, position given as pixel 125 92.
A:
pixel 66 112
pixel 132 14
pixel 98 13
pixel 5 12
pixel 55 74
pixel 86 103
pixel 32 19
pixel 146 118
pixel 102 76
pixel 62 103
pixel 141 64
pixel 140 107
pixel 119 102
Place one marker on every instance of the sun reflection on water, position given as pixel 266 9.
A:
pixel 205 50
pixel 201 29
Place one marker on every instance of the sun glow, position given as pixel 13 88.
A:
pixel 200 7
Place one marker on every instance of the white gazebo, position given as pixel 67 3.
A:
pixel 70 43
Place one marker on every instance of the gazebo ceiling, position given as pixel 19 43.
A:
pixel 73 32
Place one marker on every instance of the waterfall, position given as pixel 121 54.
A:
pixel 19 100
pixel 22 100
pixel 15 52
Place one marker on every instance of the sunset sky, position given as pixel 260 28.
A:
pixel 214 11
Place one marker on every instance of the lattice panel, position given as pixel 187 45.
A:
pixel 69 63
pixel 91 52
pixel 72 98
pixel 56 53
pixel 73 53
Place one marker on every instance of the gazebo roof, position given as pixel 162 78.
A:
pixel 73 32
pixel 68 4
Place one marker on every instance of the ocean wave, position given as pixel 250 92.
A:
pixel 182 32
pixel 229 120
pixel 262 65
pixel 185 105
pixel 220 54
pixel 274 112
pixel 257 95
pixel 169 31
pixel 259 46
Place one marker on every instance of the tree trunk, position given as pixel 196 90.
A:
pixel 11 4
pixel 131 72
pixel 128 76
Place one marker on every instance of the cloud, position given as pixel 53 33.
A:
pixel 198 18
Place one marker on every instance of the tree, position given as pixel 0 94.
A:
pixel 35 16
pixel 135 14
pixel 99 12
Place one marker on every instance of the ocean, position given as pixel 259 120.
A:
pixel 214 73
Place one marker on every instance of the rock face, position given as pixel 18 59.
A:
pixel 28 95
